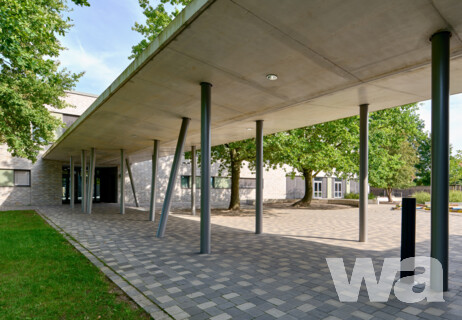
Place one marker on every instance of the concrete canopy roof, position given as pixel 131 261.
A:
pixel 330 56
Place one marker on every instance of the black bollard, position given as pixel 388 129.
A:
pixel 408 227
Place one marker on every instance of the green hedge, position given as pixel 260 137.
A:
pixel 422 197
pixel 356 196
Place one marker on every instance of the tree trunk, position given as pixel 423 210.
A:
pixel 235 201
pixel 306 200
pixel 389 194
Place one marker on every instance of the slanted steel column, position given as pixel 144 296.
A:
pixel 132 182
pixel 193 180
pixel 172 179
pixel 206 108
pixel 363 170
pixel 72 182
pixel 83 172
pixel 155 157
pixel 259 176
pixel 122 182
pixel 91 180
pixel 440 157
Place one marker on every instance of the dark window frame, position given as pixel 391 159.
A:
pixel 14 178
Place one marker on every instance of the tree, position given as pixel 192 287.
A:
pixel 424 165
pixel 230 158
pixel 455 168
pixel 326 147
pixel 157 19
pixel 29 75
pixel 395 135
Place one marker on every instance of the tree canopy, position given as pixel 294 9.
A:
pixel 394 137
pixel 30 77
pixel 157 18
pixel 324 147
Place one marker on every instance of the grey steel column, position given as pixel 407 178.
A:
pixel 206 108
pixel 72 183
pixel 83 172
pixel 259 176
pixel 440 156
pixel 155 157
pixel 172 179
pixel 193 180
pixel 91 180
pixel 122 182
pixel 363 170
pixel 132 183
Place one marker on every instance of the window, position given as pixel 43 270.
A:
pixel 221 183
pixel 69 120
pixel 215 182
pixel 338 189
pixel 22 178
pixel 11 178
pixel 248 183
pixel 7 178
pixel 317 188
pixel 185 182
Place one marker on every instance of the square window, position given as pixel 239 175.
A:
pixel 185 182
pixel 221 183
pixel 22 178
pixel 6 178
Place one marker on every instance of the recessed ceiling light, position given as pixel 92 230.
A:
pixel 271 76
pixel 249 129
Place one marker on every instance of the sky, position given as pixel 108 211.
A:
pixel 101 40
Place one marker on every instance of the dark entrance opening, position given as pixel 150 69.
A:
pixel 105 185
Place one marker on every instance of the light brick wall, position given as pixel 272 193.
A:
pixel 45 186
pixel 274 184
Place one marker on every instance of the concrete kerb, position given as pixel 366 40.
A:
pixel 150 306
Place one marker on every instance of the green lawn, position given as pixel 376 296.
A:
pixel 43 277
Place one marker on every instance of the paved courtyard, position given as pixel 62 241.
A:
pixel 280 274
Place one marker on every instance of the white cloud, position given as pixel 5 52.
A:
pixel 98 73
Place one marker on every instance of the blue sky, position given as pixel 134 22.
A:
pixel 101 40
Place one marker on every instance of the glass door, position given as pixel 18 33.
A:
pixel 338 189
pixel 317 189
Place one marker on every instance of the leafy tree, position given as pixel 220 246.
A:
pixel 424 165
pixel 323 147
pixel 230 158
pixel 455 168
pixel 395 135
pixel 29 75
pixel 157 18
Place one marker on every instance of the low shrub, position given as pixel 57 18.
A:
pixel 356 196
pixel 351 196
pixel 422 197
pixel 455 196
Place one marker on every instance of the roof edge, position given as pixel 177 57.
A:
pixel 181 21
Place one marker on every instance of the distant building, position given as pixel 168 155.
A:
pixel 46 182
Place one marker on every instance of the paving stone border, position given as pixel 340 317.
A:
pixel 137 296
pixel 281 274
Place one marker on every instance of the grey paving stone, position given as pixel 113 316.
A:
pixel 284 269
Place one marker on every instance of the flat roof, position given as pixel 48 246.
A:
pixel 330 57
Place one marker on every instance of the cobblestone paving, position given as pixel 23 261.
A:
pixel 280 274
